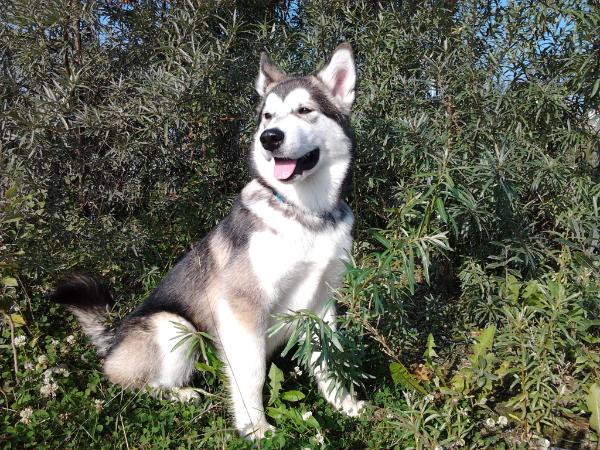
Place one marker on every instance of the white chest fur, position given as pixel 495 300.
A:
pixel 298 266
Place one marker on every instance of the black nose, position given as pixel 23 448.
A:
pixel 271 139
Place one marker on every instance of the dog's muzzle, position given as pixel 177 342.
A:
pixel 271 139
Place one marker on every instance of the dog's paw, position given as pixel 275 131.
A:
pixel 257 431
pixel 351 407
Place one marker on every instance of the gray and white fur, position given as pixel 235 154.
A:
pixel 282 248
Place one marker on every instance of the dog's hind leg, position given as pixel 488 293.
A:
pixel 176 361
pixel 146 354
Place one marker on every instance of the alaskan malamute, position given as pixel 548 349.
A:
pixel 282 248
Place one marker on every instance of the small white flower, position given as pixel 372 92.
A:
pixel 28 366
pixel 544 443
pixel 20 341
pixel 48 375
pixel 319 438
pixel 460 443
pixel 54 342
pixel 62 371
pixel 307 415
pixel 49 390
pixel 297 371
pixel 98 405
pixel 483 401
pixel 502 421
pixel 70 339
pixel 438 447
pixel 490 423
pixel 26 414
pixel 429 398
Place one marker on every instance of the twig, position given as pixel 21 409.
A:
pixel 13 346
pixel 6 401
pixel 26 295
pixel 124 434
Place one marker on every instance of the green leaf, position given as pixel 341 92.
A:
pixel 10 282
pixel 439 207
pixel 483 343
pixel 593 406
pixel 377 235
pixel 202 367
pixel 461 379
pixel 292 396
pixel 275 380
pixel 512 289
pixel 276 412
pixel 312 422
pixel 17 320
pixel 402 377
pixel 429 350
pixel 595 88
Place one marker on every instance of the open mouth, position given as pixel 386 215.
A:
pixel 286 169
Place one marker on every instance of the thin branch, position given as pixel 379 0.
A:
pixel 13 346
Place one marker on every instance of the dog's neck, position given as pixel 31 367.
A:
pixel 319 194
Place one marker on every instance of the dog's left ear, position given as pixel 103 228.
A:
pixel 268 74
pixel 339 76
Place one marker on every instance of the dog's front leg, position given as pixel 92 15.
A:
pixel 243 352
pixel 336 394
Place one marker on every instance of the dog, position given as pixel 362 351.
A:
pixel 282 248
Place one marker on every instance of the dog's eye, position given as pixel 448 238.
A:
pixel 304 110
pixel 268 116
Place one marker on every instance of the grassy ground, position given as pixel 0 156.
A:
pixel 460 394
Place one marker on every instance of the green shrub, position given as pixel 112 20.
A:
pixel 475 286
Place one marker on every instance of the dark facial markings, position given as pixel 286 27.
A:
pixel 316 90
pixel 301 111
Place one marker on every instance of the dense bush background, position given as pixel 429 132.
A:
pixel 124 128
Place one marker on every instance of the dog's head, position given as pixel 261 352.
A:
pixel 303 145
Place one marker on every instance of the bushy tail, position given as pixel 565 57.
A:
pixel 88 300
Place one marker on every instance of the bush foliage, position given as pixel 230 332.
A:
pixel 474 294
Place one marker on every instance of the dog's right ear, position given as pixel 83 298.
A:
pixel 268 74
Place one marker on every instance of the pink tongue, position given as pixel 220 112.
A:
pixel 284 168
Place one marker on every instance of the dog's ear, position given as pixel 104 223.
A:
pixel 339 76
pixel 268 74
